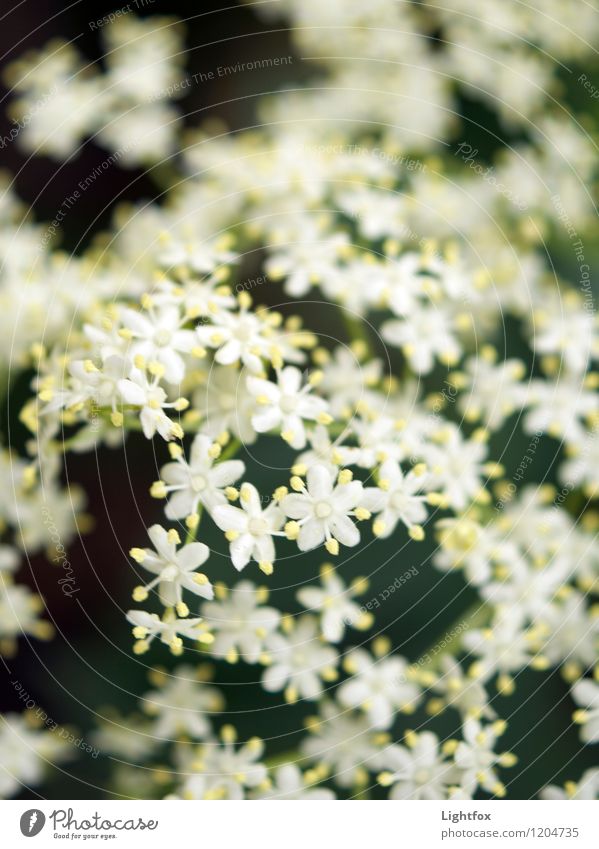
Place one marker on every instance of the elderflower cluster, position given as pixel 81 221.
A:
pixel 308 293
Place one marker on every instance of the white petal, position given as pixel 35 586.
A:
pixel 320 484
pixel 311 535
pixel 229 518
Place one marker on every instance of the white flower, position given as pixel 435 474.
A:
pixel 87 382
pixel 503 648
pixel 378 213
pixel 343 742
pixel 20 611
pixel 462 690
pixel 334 602
pixel 129 737
pixel 239 337
pixel 586 694
pixel 144 135
pixel 157 337
pixel 356 287
pixel 200 257
pixel 25 753
pixel 533 521
pixel 306 263
pixel 203 297
pixel 582 470
pixel 9 559
pixel 240 622
pixel 379 438
pixel 250 529
pixel 32 519
pixel 474 755
pixel 425 334
pixel 405 283
pixel 378 686
pixel 569 632
pixel 285 405
pixel 224 771
pixel 586 788
pixel 397 498
pixel 564 327
pixel 560 408
pixel 323 510
pixel 456 466
pixel 158 57
pixel 491 392
pixel 298 661
pixel 324 452
pixel 479 551
pixel 152 399
pixel 526 586
pixel 62 116
pixel 417 772
pixel 198 481
pixel 147 626
pixel 346 381
pixel 175 570
pixel 182 705
pixel 290 783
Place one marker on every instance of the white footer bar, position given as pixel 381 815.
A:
pixel 287 824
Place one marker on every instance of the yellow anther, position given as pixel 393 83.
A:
pixel 138 554
pixel 158 489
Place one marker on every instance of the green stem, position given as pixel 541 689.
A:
pixel 230 451
pixel 292 756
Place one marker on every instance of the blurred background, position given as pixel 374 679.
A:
pixel 89 664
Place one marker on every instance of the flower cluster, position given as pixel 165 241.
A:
pixel 393 420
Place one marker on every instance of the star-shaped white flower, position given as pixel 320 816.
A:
pixel 424 334
pixel 456 466
pixel 398 498
pixel 148 626
pixel 476 759
pixel 418 772
pixel 138 390
pixel 250 529
pixel 240 622
pixel 379 686
pixel 285 405
pixel 344 741
pixel 321 510
pixel 182 706
pixel 157 337
pixel 334 602
pixel 238 337
pixel 226 771
pixel 299 661
pixel 174 570
pixel 197 481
